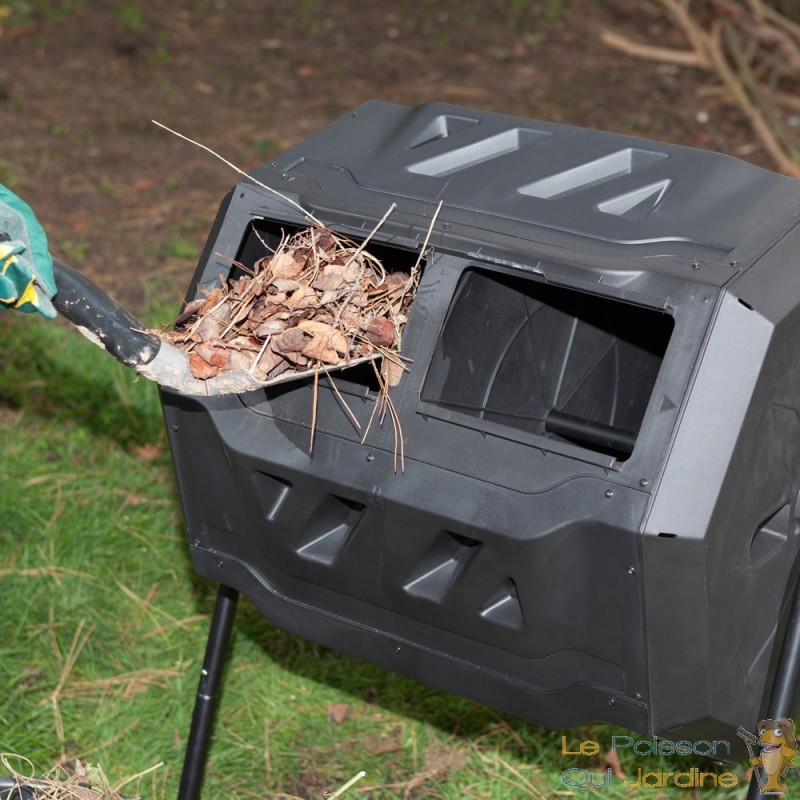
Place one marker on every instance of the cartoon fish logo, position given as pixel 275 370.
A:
pixel 778 749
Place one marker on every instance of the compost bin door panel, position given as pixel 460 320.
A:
pixel 513 350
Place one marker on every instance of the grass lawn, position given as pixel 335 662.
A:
pixel 103 627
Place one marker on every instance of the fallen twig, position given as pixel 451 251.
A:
pixel 750 73
pixel 342 789
pixel 666 55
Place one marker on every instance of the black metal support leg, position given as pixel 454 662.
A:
pixel 219 637
pixel 787 675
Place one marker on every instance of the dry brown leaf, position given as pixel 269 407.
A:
pixel 285 284
pixel 324 240
pixel 201 369
pixel 392 371
pixel 611 761
pixel 396 281
pixel 284 265
pixel 213 321
pixel 147 452
pixel 242 313
pixel 292 340
pixel 327 345
pixel 279 369
pixel 213 353
pixel 302 297
pixel 327 332
pixel 337 712
pixel 212 298
pixel 441 757
pixel 380 331
pixel 238 359
pixel 380 746
pixel 267 363
pixel 272 327
pixel 189 311
pixel 331 277
pixel 272 307
pixel 318 350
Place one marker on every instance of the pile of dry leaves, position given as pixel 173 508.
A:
pixel 318 301
pixel 77 781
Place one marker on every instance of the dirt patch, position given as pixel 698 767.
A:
pixel 8 415
pixel 124 201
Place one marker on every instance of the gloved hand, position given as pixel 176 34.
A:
pixel 26 267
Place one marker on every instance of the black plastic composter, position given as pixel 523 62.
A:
pixel 598 514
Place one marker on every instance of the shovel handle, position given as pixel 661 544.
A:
pixel 97 316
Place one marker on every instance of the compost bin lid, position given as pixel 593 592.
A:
pixel 540 180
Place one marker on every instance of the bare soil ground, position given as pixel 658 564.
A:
pixel 123 200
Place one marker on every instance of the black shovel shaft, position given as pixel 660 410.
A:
pixel 88 307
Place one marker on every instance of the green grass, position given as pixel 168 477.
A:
pixel 103 625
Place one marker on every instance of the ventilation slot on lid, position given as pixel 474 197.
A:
pixel 592 173
pixel 478 152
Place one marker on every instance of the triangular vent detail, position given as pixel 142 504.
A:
pixel 445 560
pixel 327 532
pixel 503 607
pixel 441 127
pixel 639 203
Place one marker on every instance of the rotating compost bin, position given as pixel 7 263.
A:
pixel 597 515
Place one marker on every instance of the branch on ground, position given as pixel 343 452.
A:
pixel 753 50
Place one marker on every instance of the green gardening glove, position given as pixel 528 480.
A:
pixel 26 266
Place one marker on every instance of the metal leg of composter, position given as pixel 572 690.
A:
pixel 205 705
pixel 787 675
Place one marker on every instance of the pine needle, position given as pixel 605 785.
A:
pixel 314 408
pixel 341 399
pixel 233 166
